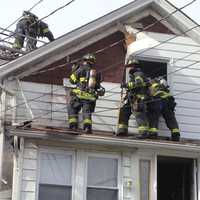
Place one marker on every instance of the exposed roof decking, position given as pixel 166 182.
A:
pixel 89 33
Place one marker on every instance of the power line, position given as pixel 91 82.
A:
pixel 165 41
pixel 38 117
pixel 111 66
pixel 54 11
pixel 177 9
pixel 167 16
pixel 150 101
pixel 40 1
pixel 27 36
pixel 169 73
pixel 118 42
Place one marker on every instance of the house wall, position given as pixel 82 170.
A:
pixel 184 76
pixel 49 104
pixel 129 162
pixel 29 167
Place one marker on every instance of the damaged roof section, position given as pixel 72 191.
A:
pixel 90 33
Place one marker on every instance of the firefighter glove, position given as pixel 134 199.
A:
pixel 101 91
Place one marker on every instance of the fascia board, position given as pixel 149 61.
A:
pixel 109 141
pixel 73 37
pixel 179 19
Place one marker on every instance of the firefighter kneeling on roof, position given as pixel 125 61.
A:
pixel 135 101
pixel 84 96
pixel 162 103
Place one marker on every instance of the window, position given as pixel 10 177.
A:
pixel 153 69
pixel 55 176
pixel 144 179
pixel 102 178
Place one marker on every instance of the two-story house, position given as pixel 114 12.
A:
pixel 50 162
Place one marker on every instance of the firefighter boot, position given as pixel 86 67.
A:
pixel 121 132
pixel 175 136
pixel 144 135
pixel 87 128
pixel 153 133
pixel 73 126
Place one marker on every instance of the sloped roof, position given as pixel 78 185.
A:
pixel 89 33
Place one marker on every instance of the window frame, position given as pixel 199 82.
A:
pixel 119 187
pixel 149 176
pixel 168 61
pixel 58 152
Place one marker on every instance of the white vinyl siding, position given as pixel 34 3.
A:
pixel 50 106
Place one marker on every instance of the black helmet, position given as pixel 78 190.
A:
pixel 89 57
pixel 132 61
pixel 29 14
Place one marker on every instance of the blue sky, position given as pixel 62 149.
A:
pixel 77 14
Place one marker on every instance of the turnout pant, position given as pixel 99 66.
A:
pixel 164 108
pixel 140 117
pixel 21 32
pixel 19 39
pixel 74 108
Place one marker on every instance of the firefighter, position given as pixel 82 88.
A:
pixel 39 29
pixel 29 25
pixel 135 101
pixel 162 103
pixel 84 96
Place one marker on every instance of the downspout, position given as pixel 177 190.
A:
pixel 2 136
pixel 17 167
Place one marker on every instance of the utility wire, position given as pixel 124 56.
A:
pixel 13 33
pixel 177 9
pixel 174 95
pixel 150 101
pixel 30 100
pixel 120 41
pixel 53 12
pixel 167 16
pixel 40 1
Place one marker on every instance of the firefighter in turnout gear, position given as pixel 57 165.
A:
pixel 162 103
pixel 84 96
pixel 135 101
pixel 30 26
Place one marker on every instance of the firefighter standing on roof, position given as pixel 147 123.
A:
pixel 162 103
pixel 30 26
pixel 137 94
pixel 84 96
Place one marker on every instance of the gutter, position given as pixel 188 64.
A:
pixel 108 140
